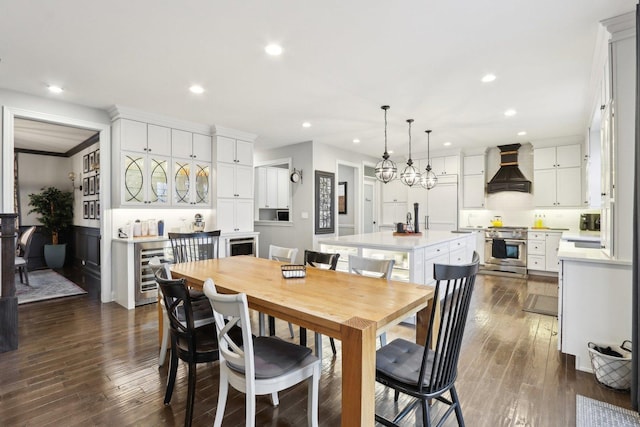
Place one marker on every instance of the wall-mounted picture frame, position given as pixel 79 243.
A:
pixel 92 209
pixel 97 183
pixel 92 159
pixel 85 163
pixel 97 157
pixel 97 209
pixel 324 196
pixel 342 198
pixel 92 185
pixel 85 210
pixel 85 186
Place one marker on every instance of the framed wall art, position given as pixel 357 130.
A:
pixel 324 194
pixel 85 210
pixel 92 159
pixel 85 186
pixel 97 209
pixel 92 209
pixel 342 198
pixel 97 184
pixel 85 163
pixel 92 185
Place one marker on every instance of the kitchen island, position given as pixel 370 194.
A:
pixel 594 299
pixel 414 255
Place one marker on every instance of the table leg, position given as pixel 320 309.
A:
pixel 358 372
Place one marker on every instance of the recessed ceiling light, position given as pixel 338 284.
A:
pixel 390 151
pixel 196 89
pixel 510 112
pixel 488 78
pixel 522 133
pixel 306 125
pixel 356 141
pixel 55 89
pixel 273 49
pixel 446 144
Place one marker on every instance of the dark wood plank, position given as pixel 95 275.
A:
pixel 82 363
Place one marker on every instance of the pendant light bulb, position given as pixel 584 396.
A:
pixel 410 175
pixel 386 169
pixel 428 179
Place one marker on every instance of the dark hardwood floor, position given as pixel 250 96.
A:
pixel 83 363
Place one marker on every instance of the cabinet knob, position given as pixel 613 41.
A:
pixel 149 149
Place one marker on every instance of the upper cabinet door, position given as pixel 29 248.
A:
pixel 544 158
pixel 244 182
pixel 133 136
pixel 226 180
pixel 473 165
pixel 437 165
pixel 202 147
pixel 181 143
pixel 226 149
pixel 568 156
pixel 451 165
pixel 244 153
pixel 158 140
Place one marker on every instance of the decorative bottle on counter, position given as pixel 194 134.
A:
pixel 416 229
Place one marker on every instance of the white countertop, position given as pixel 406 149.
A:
pixel 581 235
pixel 238 234
pixel 386 240
pixel 567 251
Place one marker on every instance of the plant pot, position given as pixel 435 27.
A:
pixel 54 255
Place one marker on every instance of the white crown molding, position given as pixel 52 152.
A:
pixel 233 133
pixel 120 112
pixel 622 26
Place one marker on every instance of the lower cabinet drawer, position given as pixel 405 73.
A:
pixel 535 262
pixel 428 267
pixel 536 247
pixel 436 250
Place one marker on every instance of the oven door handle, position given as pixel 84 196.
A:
pixel 508 241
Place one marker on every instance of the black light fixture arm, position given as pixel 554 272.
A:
pixel 410 161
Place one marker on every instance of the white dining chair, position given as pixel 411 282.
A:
pixel 261 365
pixel 380 268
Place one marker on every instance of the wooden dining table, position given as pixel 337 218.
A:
pixel 352 308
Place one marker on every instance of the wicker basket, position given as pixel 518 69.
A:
pixel 612 371
pixel 293 271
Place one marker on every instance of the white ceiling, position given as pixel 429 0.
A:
pixel 342 60
pixel 41 136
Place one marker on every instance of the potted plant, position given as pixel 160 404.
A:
pixel 55 208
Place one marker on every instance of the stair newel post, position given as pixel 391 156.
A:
pixel 8 299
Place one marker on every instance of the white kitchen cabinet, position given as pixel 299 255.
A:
pixel 473 187
pixel 473 182
pixel 394 212
pixel 394 191
pixel 235 215
pixel 191 183
pixel 442 208
pixel 542 252
pixel 145 180
pixel 231 150
pixel 144 138
pixel 272 188
pixel 188 145
pixel 235 181
pixel 445 165
pixel 557 176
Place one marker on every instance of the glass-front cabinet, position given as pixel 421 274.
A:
pixel 191 183
pixel 146 180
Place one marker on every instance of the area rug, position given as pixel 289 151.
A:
pixel 45 284
pixel 541 304
pixel 594 413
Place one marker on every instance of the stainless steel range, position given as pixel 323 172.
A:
pixel 505 249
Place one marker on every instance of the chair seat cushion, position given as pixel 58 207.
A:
pixel 274 357
pixel 20 261
pixel 401 360
pixel 206 340
pixel 201 310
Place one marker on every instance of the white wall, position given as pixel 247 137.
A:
pixel 38 171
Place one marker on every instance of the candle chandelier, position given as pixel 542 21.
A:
pixel 386 170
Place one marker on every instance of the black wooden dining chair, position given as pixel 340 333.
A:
pixel 420 371
pixel 319 260
pixel 195 246
pixel 188 343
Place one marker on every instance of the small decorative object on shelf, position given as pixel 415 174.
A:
pixel 293 271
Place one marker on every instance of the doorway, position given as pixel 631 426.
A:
pixel 10 115
pixel 369 223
